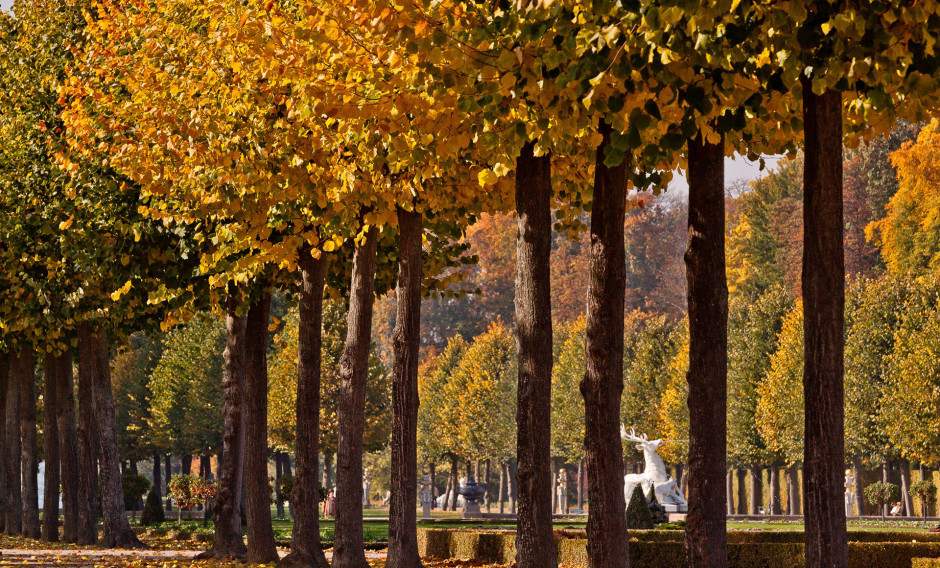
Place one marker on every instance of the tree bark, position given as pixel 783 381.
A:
pixel 406 341
pixel 68 446
pixel 774 489
pixel 168 470
pixel 729 490
pixel 885 478
pixel 261 547
pixel 705 536
pixel 13 524
pixel 4 385
pixel 486 485
pixel 454 481
pixel 513 488
pixel 533 331
pixel 305 535
pixel 757 489
pixel 226 507
pixel 87 447
pixel 93 353
pixel 278 474
pixel 432 467
pixel 348 550
pixel 502 487
pixel 793 490
pixel 50 443
pixel 327 464
pixel 742 492
pixel 186 464
pixel 823 285
pixel 30 445
pixel 859 486
pixel 602 386
pixel 158 474
pixel 906 502
pixel 581 472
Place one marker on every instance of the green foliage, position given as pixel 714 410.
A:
pixel 131 369
pixel 779 413
pixel 881 493
pixel 190 491
pixel 187 388
pixel 133 488
pixel 638 511
pixel 153 509
pixel 437 434
pixel 567 402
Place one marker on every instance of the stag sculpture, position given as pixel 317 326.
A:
pixel 654 477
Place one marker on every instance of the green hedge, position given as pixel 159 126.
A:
pixel 651 550
pixel 925 563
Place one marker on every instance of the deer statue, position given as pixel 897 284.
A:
pixel 654 476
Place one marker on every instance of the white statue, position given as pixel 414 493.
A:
pixel 444 500
pixel 654 476
pixel 366 487
pixel 849 492
pixel 425 496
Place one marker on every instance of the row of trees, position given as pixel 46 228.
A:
pixel 165 156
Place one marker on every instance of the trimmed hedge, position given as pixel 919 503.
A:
pixel 925 563
pixel 659 551
pixel 775 537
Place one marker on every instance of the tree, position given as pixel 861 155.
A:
pixel 779 411
pixel 926 493
pixel 567 402
pixel 881 494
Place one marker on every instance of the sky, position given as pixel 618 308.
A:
pixel 737 169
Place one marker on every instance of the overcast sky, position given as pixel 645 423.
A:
pixel 735 170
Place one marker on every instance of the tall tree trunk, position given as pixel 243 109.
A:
pixel 742 492
pixel 705 536
pixel 859 486
pixel 206 462
pixel 327 464
pixel 4 386
pixel 348 550
pixel 93 352
pixel 30 444
pixel 454 483
pixel 68 447
pixel 906 501
pixel 486 485
pixel 261 547
pixel 885 478
pixel 757 489
pixel 278 474
pixel 13 513
pixel 581 473
pixel 502 487
pixel 824 314
pixel 513 488
pixel 729 490
pixel 186 464
pixel 602 386
pixel 793 490
pixel 158 474
pixel 432 467
pixel 226 507
pixel 533 331
pixel 774 489
pixel 88 445
pixel 305 535
pixel 406 341
pixel 168 466
pixel 50 446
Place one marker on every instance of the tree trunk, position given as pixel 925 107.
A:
pixel 581 485
pixel 729 490
pixel 742 492
pixel 4 386
pixel 454 483
pixel 823 312
pixel 157 475
pixel 486 485
pixel 885 478
pixel 774 489
pixel 348 550
pixel 94 355
pixel 13 513
pixel 502 488
pixel 706 542
pixel 327 464
pixel 186 464
pixel 793 490
pixel 859 487
pixel 513 488
pixel 168 470
pixel 757 489
pixel 30 444
pixel 226 507
pixel 206 461
pixel 533 331
pixel 88 445
pixel 261 547
pixel 50 446
pixel 406 341
pixel 68 447
pixel 305 535
pixel 278 474
pixel 433 471
pixel 906 501
pixel 602 386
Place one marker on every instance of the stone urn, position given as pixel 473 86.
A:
pixel 471 492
